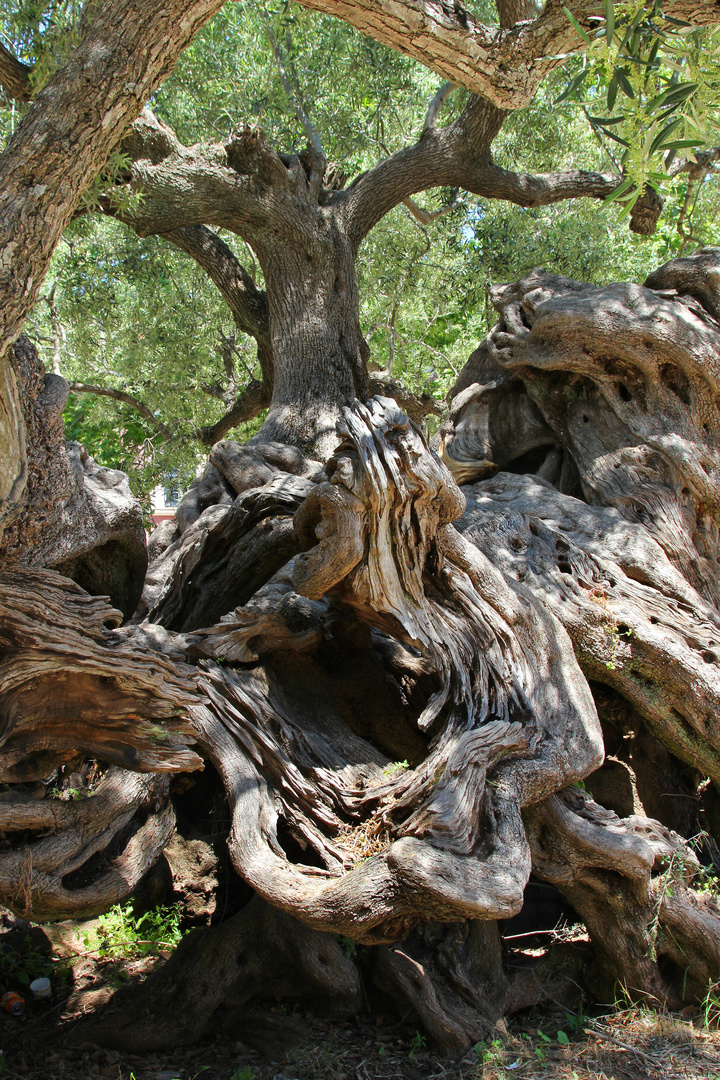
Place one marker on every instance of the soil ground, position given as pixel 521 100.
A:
pixel 274 1042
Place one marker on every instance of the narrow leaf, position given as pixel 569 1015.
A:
pixel 618 192
pixel 609 21
pixel 604 121
pixel 682 144
pixel 624 83
pixel 615 138
pixel 663 136
pixel 682 93
pixel 629 204
pixel 574 85
pixel 576 25
pixel 675 22
pixel 612 93
pixel 652 55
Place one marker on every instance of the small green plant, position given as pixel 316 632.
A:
pixel 24 967
pixel 710 1007
pixel 71 794
pixel 245 1073
pixel 395 767
pixel 418 1042
pixel 615 633
pixel 121 933
pixel 490 1054
pixel 575 1022
pixel 348 946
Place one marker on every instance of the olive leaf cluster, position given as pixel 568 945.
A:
pixel 649 86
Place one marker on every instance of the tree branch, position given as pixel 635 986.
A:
pixel 504 64
pixel 251 401
pixel 14 76
pixel 128 399
pixel 459 156
pixel 247 303
pixel 416 406
pixel 449 156
pixel 293 92
pixel 185 186
pixel 426 216
pixel 58 331
pixel 143 42
pixel 438 100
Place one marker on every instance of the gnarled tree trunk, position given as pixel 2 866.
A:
pixel 419 784
pixel 402 686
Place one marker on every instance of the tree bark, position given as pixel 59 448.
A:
pixel 612 392
pixel 60 149
pixel 505 68
pixel 52 157
pixel 399 709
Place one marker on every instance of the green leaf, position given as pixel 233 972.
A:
pixel 624 83
pixel 574 85
pixel 663 135
pixel 682 92
pixel 682 144
pixel 673 96
pixel 652 55
pixel 605 121
pixel 576 25
pixel 562 1038
pixel 609 21
pixel 614 137
pixel 676 22
pixel 619 191
pixel 625 212
pixel 612 93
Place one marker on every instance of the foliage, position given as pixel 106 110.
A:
pixel 24 965
pixel 121 933
pixel 42 33
pixel 649 85
pixel 140 317
pixel 395 767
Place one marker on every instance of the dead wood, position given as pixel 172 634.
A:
pixel 628 879
pixel 69 684
pixel 433 840
pixel 75 860
pixel 71 514
pixel 614 392
pixel 394 797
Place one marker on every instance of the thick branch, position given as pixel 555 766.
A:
pixel 459 155
pixel 438 100
pixel 250 402
pixel 247 303
pixel 185 186
pixel 14 76
pixel 128 399
pixel 503 65
pixel 143 42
